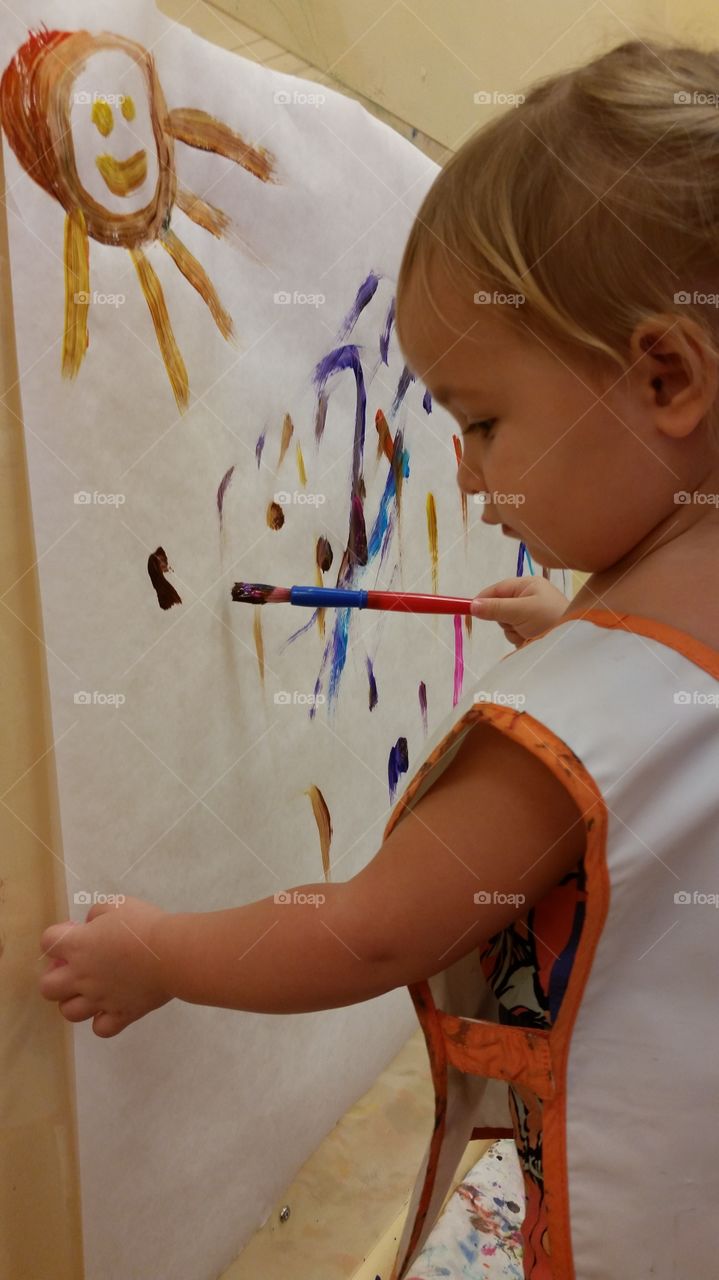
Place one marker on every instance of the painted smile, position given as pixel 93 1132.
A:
pixel 123 176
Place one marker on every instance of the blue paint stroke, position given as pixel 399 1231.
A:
pixel 390 490
pixel 427 402
pixel 365 294
pixel 398 763
pixel 520 560
pixel 384 336
pixel 405 378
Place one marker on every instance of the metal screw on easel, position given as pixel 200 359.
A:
pixel 284 1213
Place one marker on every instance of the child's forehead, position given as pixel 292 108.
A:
pixel 454 358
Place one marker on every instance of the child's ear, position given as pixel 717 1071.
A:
pixel 674 372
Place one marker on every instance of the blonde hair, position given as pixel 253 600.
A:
pixel 597 199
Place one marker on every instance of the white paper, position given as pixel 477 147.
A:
pixel 187 787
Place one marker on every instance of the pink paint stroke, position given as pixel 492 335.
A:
pixel 458 659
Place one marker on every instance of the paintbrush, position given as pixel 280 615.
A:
pixel 339 598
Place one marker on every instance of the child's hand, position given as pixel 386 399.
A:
pixel 106 968
pixel 523 607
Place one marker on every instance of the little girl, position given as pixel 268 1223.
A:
pixel 547 884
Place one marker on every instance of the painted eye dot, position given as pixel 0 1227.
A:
pixel 102 116
pixel 127 108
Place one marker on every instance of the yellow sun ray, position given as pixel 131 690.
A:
pixel 152 289
pixel 198 278
pixel 198 129
pixel 206 215
pixel 77 292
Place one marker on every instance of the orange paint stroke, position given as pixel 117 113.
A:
pixel 77 293
pixel 458 453
pixel 432 535
pixel 259 643
pixel 152 289
pixel 287 429
pixel 199 129
pixel 324 825
pixel 198 278
pixel 206 215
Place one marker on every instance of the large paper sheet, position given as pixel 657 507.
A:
pixel 204 393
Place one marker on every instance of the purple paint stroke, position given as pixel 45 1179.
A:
pixel 372 685
pixel 313 704
pixel 384 336
pixel 520 560
pixel 423 704
pixel 259 447
pixel 224 485
pixel 405 378
pixel 427 402
pixel 365 294
pixel 458 659
pixel 347 357
pixel 397 764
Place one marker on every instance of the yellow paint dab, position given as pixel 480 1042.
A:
pixel 102 116
pixel 301 466
pixel 127 108
pixel 432 536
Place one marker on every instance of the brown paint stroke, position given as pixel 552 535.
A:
pixel 206 215
pixel 384 439
pixel 324 825
pixel 199 129
pixel 157 567
pixel 199 279
pixel 287 429
pixel 259 643
pixel 275 516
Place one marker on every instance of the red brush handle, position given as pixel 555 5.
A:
pixel 415 602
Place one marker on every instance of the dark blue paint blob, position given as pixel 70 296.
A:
pixel 397 764
pixel 427 402
pixel 520 559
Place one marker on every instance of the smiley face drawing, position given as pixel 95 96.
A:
pixel 108 159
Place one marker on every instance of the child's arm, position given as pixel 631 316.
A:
pixel 496 822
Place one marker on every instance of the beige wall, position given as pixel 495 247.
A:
pixel 421 61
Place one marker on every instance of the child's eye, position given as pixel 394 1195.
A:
pixel 485 425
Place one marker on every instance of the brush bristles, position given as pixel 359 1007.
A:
pixel 259 593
